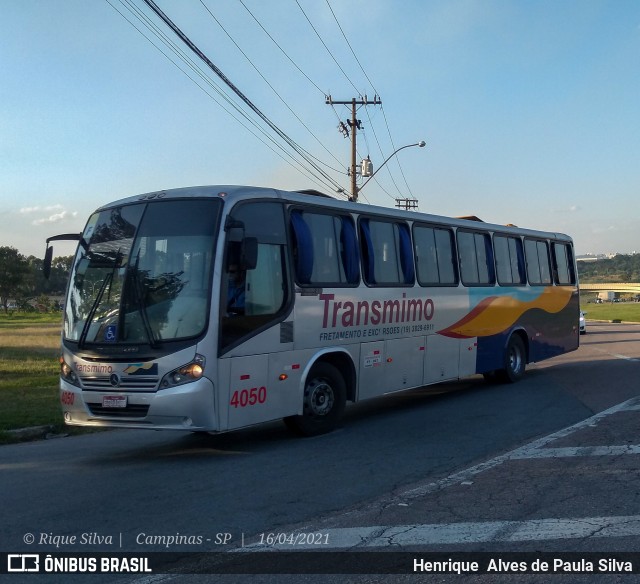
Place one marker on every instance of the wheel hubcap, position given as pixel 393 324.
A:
pixel 515 360
pixel 320 398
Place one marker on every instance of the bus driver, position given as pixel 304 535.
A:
pixel 236 289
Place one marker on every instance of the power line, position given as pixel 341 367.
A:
pixel 185 58
pixel 273 40
pixel 281 49
pixel 350 47
pixel 162 37
pixel 354 189
pixel 183 37
pixel 344 73
pixel 274 91
pixel 318 174
pixel 326 47
pixel 191 64
pixel 383 113
pixel 382 153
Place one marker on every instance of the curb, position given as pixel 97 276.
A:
pixel 33 433
pixel 613 321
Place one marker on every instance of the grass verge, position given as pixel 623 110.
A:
pixel 623 311
pixel 29 349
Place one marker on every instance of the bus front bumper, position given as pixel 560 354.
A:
pixel 188 407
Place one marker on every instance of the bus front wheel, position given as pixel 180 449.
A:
pixel 325 396
pixel 515 360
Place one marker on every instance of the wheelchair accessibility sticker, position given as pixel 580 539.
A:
pixel 111 333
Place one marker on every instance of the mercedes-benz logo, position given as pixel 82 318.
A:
pixel 114 380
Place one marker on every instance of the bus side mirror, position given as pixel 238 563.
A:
pixel 46 264
pixel 249 253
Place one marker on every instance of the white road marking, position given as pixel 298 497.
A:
pixel 531 450
pixel 493 531
pixel 350 538
pixel 581 451
pixel 616 355
pixel 354 538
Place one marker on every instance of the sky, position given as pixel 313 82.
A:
pixel 530 110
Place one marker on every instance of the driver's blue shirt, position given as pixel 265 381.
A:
pixel 235 296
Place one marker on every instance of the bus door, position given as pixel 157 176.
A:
pixel 255 302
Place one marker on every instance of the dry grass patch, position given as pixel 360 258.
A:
pixel 29 375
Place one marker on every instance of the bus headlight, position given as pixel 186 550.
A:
pixel 68 374
pixel 185 374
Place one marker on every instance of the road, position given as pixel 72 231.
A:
pixel 548 465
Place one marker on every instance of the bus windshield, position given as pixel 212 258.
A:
pixel 142 274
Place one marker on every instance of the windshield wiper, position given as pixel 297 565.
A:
pixel 142 310
pixel 92 312
pixel 94 307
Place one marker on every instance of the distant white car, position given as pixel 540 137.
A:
pixel 583 326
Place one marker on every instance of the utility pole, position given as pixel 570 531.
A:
pixel 354 124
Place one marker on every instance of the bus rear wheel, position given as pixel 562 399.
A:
pixel 325 397
pixel 515 360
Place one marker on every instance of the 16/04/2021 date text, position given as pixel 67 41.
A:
pixel 293 539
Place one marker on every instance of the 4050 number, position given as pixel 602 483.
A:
pixel 249 397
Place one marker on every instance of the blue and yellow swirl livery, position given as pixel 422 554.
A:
pixel 496 314
pixel 547 317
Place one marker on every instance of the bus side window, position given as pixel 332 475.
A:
pixel 538 267
pixel 563 264
pixel 387 253
pixel 476 259
pixel 509 260
pixel 324 249
pixel 435 260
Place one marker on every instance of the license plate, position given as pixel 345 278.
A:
pixel 114 401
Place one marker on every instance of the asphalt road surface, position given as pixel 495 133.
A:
pixel 548 466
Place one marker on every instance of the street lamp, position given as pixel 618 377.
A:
pixel 420 144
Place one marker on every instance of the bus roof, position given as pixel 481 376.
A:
pixel 231 194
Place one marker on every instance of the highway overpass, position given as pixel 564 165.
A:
pixel 627 287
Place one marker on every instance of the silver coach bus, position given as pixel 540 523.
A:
pixel 216 308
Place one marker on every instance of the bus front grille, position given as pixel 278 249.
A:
pixel 131 411
pixel 103 383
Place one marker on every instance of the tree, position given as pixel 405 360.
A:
pixel 620 268
pixel 60 269
pixel 14 273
